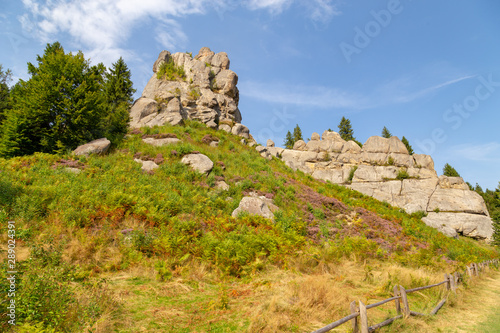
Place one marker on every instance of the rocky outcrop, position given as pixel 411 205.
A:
pixel 203 88
pixel 98 147
pixel 383 169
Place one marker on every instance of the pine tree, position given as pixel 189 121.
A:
pixel 345 130
pixel 288 141
pixel 297 134
pixel 386 133
pixel 118 90
pixel 449 171
pixel 408 146
pixel 5 78
pixel 58 108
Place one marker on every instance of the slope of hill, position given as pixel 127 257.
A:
pixel 107 246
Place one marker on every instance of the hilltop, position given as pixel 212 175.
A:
pixel 151 234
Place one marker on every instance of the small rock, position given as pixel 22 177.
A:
pixel 198 162
pixel 270 143
pixel 147 165
pixel 254 206
pixel 315 137
pixel 99 147
pixel 299 145
pixel 221 185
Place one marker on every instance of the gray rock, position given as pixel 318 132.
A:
pixel 221 185
pixel 315 137
pixel 452 224
pixel 457 200
pixel 241 130
pixel 147 165
pixel 198 162
pixel 254 206
pixel 376 144
pixel 299 145
pixel 98 147
pixel 270 143
pixel 161 142
pixel 225 128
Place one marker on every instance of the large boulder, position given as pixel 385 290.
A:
pixel 453 224
pixel 198 162
pixel 98 147
pixel 457 200
pixel 255 206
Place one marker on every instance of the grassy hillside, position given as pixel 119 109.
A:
pixel 113 248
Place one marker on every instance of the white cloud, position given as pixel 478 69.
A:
pixel 487 152
pixel 274 6
pixel 101 27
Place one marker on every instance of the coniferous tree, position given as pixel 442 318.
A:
pixel 408 146
pixel 60 107
pixel 118 90
pixel 297 134
pixel 5 78
pixel 288 141
pixel 345 130
pixel 450 171
pixel 386 133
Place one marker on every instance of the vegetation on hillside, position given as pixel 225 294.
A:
pixel 492 200
pixel 65 103
pixel 111 217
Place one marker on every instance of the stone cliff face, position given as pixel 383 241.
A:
pixel 205 92
pixel 383 169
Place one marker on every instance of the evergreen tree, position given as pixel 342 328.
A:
pixel 449 171
pixel 58 108
pixel 386 133
pixel 408 146
pixel 288 141
pixel 297 134
pixel 5 78
pixel 345 129
pixel 118 92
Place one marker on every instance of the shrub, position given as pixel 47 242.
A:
pixel 402 174
pixel 351 173
pixel 169 71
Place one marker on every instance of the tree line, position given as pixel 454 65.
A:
pixel 66 102
pixel 345 131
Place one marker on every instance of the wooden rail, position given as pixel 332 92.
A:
pixel 359 314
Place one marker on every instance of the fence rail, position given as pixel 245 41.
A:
pixel 359 314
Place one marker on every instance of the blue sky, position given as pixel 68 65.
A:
pixel 428 70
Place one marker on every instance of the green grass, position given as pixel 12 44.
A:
pixel 112 218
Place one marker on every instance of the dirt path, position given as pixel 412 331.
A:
pixel 475 310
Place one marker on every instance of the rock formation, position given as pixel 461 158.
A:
pixel 202 88
pixel 383 169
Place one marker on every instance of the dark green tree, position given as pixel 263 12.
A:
pixel 118 91
pixel 297 134
pixel 492 200
pixel 5 78
pixel 60 107
pixel 288 141
pixel 386 133
pixel 408 146
pixel 345 129
pixel 450 171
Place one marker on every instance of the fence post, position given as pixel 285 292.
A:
pixel 451 278
pixel 447 279
pixel 469 273
pixel 398 303
pixel 355 326
pixel 363 317
pixel 404 299
pixel 457 278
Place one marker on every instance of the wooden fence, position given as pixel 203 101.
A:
pixel 359 314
